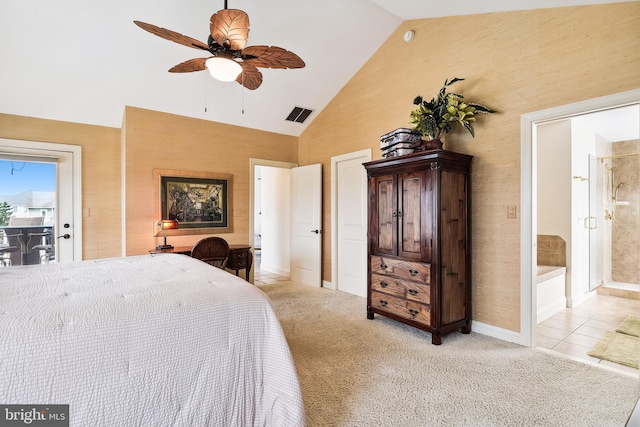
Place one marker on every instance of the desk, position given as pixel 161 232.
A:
pixel 184 250
pixel 20 236
pixel 240 256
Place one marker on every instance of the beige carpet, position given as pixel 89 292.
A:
pixel 620 346
pixel 359 372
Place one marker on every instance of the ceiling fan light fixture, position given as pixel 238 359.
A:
pixel 223 69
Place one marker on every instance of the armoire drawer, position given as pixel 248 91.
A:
pixel 415 271
pixel 401 307
pixel 401 288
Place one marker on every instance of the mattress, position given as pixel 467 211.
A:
pixel 145 341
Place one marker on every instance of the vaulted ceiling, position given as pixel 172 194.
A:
pixel 83 61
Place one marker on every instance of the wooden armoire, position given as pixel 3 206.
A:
pixel 419 269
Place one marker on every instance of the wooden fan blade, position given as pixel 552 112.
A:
pixel 271 57
pixel 230 28
pixel 196 64
pixel 172 36
pixel 250 77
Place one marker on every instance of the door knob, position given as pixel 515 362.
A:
pixel 65 236
pixel 315 231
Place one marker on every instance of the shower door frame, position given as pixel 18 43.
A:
pixel 595 222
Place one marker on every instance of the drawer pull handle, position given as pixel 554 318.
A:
pixel 383 266
pixel 413 272
pixel 383 303
pixel 413 292
pixel 413 312
pixel 383 284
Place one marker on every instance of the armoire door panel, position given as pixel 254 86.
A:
pixel 409 215
pixel 386 215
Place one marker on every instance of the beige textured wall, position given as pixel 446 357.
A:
pixel 155 140
pixel 516 62
pixel 101 230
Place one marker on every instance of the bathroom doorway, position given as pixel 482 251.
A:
pixel 531 165
pixel 590 148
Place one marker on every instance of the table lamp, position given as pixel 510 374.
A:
pixel 166 224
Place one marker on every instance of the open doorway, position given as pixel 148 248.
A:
pixel 531 164
pixel 290 219
pixel 269 221
pixel 272 207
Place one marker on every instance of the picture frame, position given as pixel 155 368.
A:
pixel 201 202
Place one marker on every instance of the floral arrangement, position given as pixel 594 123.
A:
pixel 435 118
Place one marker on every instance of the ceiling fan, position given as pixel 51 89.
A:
pixel 231 59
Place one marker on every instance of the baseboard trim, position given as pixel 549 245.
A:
pixel 270 269
pixel 328 285
pixel 579 299
pixel 550 309
pixel 495 332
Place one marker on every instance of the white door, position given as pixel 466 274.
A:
pixel 306 222
pixel 350 214
pixel 68 222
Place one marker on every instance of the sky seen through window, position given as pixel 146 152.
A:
pixel 18 177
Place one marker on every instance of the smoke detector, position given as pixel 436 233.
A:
pixel 409 36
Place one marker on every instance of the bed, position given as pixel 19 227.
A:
pixel 149 340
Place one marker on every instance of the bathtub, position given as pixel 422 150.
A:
pixel 551 290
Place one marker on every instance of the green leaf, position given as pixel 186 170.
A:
pixel 470 129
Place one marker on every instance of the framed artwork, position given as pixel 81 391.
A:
pixel 199 201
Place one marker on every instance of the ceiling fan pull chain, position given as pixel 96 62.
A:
pixel 204 83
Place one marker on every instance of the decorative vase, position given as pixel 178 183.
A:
pixel 432 144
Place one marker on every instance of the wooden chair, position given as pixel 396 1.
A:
pixel 212 250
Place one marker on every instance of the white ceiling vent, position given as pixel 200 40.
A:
pixel 299 114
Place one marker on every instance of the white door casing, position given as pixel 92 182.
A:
pixel 306 223
pixel 68 218
pixel 349 222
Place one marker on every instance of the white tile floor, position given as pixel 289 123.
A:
pixel 574 331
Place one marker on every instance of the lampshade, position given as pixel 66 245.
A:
pixel 223 69
pixel 168 224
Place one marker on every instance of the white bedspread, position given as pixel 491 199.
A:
pixel 145 341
